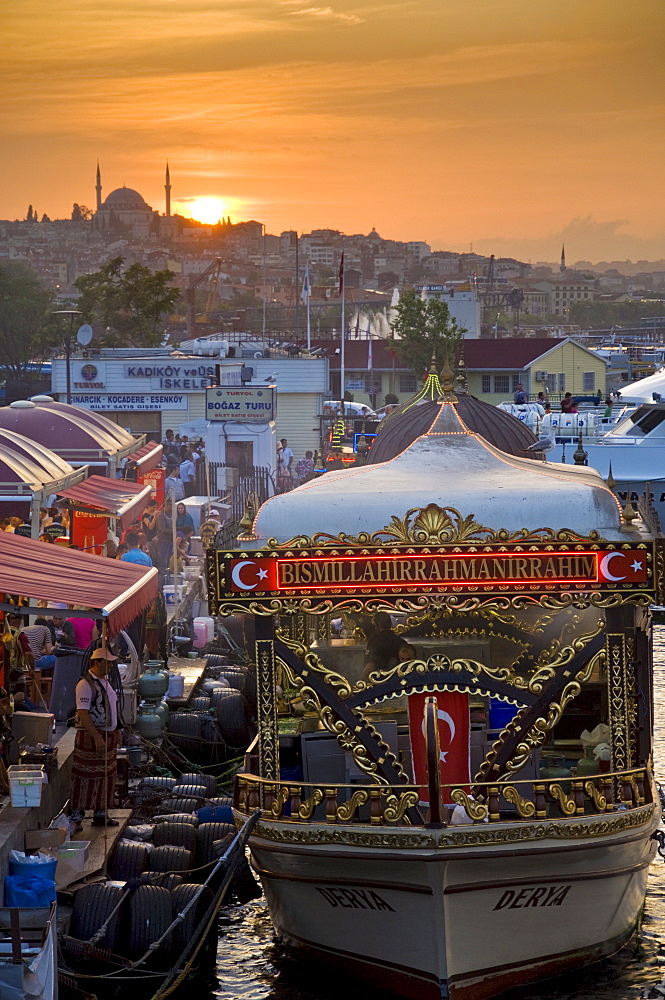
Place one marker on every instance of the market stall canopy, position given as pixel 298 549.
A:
pixel 119 497
pixel 67 430
pixel 118 590
pixel 123 437
pixel 453 467
pixel 195 428
pixel 147 458
pixel 51 465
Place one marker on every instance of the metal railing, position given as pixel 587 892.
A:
pixel 481 802
pixel 258 480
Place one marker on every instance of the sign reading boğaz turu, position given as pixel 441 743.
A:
pixel 509 569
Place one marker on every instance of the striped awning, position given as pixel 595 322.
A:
pixel 118 590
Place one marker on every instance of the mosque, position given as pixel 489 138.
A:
pixel 127 206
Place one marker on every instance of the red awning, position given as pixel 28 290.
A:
pixel 119 497
pixel 118 590
pixel 148 457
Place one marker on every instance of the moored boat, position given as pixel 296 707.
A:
pixel 411 831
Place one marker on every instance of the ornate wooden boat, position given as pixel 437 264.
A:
pixel 417 837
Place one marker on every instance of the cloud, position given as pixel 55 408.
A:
pixel 326 13
pixel 585 238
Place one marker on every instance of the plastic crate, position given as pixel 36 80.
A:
pixel 74 853
pixel 36 758
pixel 25 785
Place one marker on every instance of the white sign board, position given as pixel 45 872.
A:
pixel 245 404
pixel 131 401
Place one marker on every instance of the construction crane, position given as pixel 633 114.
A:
pixel 211 273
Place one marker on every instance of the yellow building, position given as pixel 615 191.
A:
pixel 553 366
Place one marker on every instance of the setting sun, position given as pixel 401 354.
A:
pixel 209 210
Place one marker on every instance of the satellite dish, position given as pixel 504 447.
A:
pixel 84 334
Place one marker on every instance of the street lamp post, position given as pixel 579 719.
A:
pixel 67 341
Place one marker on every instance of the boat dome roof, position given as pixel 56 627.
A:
pixel 451 466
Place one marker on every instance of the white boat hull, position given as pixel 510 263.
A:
pixel 463 913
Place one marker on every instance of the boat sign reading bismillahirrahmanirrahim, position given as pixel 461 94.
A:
pixel 245 404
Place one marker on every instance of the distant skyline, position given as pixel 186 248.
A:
pixel 498 124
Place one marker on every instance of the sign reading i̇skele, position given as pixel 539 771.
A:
pixel 279 575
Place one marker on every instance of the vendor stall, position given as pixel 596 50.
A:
pixel 95 500
pixel 71 432
pixel 114 590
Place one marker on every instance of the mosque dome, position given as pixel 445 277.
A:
pixel 125 199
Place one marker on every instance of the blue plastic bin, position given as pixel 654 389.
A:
pixel 501 713
pixel 36 869
pixel 26 891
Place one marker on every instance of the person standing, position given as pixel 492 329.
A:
pixel 85 629
pixel 134 554
pixel 284 463
pixel 383 645
pixel 568 404
pixel 188 474
pixel 305 467
pixel 97 739
pixel 520 397
pixel 183 518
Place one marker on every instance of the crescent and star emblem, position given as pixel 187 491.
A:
pixel 444 717
pixel 261 574
pixel 605 567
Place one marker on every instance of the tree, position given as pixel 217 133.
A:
pixel 81 212
pixel 129 304
pixel 422 328
pixel 29 214
pixel 27 326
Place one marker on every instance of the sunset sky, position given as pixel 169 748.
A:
pixel 506 124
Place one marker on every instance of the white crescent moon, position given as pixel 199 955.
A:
pixel 444 717
pixel 604 567
pixel 235 575
pixel 451 725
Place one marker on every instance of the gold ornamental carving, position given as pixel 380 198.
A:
pixel 461 604
pixel 432 525
pixel 481 835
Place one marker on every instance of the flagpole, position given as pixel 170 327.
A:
pixel 296 291
pixel 309 329
pixel 343 340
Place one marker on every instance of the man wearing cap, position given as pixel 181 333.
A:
pixel 97 738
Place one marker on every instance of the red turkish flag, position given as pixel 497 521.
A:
pixel 454 729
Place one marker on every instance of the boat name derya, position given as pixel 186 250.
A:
pixel 542 895
pixel 356 899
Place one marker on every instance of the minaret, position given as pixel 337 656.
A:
pixel 98 187
pixel 167 188
pixel 562 265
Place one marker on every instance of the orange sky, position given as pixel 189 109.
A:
pixel 502 123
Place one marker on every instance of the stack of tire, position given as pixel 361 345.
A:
pixel 143 918
pixel 221 715
pixel 234 699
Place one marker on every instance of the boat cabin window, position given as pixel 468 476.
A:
pixel 640 422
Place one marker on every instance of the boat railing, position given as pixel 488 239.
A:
pixel 477 802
